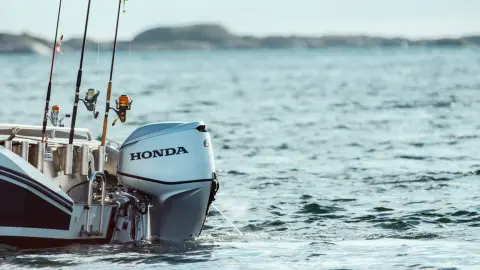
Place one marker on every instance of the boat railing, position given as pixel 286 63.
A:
pixel 32 131
pixel 89 224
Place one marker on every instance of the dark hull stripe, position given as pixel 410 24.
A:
pixel 24 179
pixel 45 191
pixel 22 208
pixel 26 242
pixel 162 182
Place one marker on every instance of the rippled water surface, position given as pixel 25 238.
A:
pixel 328 159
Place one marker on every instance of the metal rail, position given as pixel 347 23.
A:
pixel 12 130
pixel 88 224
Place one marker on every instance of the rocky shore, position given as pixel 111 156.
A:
pixel 214 37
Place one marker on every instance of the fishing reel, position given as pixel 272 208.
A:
pixel 55 117
pixel 90 101
pixel 124 103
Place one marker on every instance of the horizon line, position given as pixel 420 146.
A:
pixel 265 35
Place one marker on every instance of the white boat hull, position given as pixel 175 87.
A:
pixel 43 209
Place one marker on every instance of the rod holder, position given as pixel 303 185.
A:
pixel 8 144
pixel 101 158
pixel 24 150
pixel 68 159
pixel 84 164
pixel 40 155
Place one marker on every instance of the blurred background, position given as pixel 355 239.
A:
pixel 345 132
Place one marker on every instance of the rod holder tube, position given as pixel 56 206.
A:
pixel 84 164
pixel 40 156
pixel 68 159
pixel 101 158
pixel 8 144
pixel 24 150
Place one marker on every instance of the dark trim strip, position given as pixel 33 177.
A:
pixel 37 186
pixel 162 182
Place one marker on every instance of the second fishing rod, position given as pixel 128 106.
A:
pixel 69 151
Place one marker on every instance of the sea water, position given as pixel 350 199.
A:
pixel 327 159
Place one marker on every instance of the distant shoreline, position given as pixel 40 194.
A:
pixel 216 37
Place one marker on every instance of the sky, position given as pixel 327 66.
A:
pixel 405 18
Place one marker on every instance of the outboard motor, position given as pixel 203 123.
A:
pixel 173 163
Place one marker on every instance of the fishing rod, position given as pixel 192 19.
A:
pixel 123 102
pixel 69 154
pixel 49 88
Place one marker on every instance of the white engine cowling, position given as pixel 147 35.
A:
pixel 173 162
